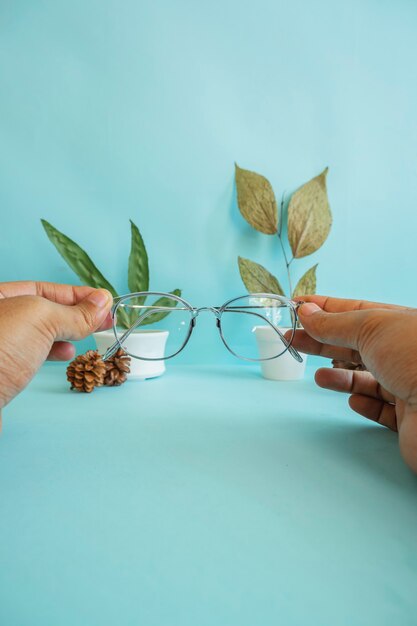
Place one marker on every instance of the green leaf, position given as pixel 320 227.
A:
pixel 77 259
pixel 307 283
pixel 123 319
pixel 138 269
pixel 309 217
pixel 257 279
pixel 256 200
pixel 164 301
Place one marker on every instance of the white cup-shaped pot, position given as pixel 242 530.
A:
pixel 148 343
pixel 284 367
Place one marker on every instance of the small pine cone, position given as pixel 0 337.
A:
pixel 117 368
pixel 86 371
pixel 348 365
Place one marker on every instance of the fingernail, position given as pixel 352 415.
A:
pixel 100 298
pixel 309 308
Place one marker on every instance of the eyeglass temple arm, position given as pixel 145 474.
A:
pixel 294 353
pixel 111 351
pixel 297 305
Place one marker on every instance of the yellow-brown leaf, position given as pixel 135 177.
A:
pixel 309 217
pixel 256 200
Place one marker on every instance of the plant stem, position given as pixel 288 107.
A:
pixel 287 263
pixel 279 233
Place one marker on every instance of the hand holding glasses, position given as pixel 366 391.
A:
pixel 236 320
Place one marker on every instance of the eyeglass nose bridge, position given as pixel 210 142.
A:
pixel 213 309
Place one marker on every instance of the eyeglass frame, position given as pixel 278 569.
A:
pixel 195 311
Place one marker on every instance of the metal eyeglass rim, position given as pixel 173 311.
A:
pixel 194 311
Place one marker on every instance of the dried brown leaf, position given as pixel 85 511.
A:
pixel 307 283
pixel 309 217
pixel 257 279
pixel 256 200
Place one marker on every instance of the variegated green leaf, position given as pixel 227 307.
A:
pixel 256 200
pixel 309 217
pixel 257 279
pixel 138 269
pixel 162 302
pixel 77 259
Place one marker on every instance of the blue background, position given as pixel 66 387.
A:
pixel 206 497
pixel 112 110
pixel 209 495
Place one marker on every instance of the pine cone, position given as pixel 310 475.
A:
pixel 348 365
pixel 117 368
pixel 86 371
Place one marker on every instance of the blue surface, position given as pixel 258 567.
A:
pixel 209 496
pixel 113 110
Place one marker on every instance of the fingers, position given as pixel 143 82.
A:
pixel 83 318
pixel 304 343
pixel 353 382
pixel 55 292
pixel 68 295
pixel 65 351
pixel 340 305
pixel 375 410
pixel 108 323
pixel 61 351
pixel 368 398
pixel 333 326
pixel 63 294
pixel 408 436
pixel 339 329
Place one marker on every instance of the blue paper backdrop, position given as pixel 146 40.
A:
pixel 111 110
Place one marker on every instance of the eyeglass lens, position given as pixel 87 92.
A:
pixel 250 319
pixel 165 315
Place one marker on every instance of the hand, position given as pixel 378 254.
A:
pixel 383 338
pixel 36 322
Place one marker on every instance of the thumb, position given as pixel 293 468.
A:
pixel 408 437
pixel 339 329
pixel 81 319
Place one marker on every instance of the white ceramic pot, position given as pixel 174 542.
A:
pixel 284 367
pixel 149 343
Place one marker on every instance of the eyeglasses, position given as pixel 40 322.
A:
pixel 238 321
